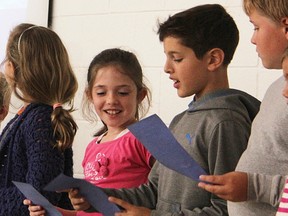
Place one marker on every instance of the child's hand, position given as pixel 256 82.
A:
pixel 78 202
pixel 34 209
pixel 130 210
pixel 232 186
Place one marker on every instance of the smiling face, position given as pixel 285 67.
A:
pixel 270 40
pixel 114 97
pixel 189 74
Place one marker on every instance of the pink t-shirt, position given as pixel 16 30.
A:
pixel 120 163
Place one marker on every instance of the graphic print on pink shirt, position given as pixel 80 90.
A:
pixel 98 169
pixel 119 163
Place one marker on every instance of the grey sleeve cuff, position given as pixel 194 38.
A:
pixel 265 188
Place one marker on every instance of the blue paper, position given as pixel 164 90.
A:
pixel 93 194
pixel 157 138
pixel 38 199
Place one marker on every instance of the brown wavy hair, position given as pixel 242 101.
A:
pixel 129 65
pixel 43 74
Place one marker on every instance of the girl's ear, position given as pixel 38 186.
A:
pixel 141 95
pixel 215 58
pixel 88 94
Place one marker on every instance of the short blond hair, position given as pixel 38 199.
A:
pixel 273 9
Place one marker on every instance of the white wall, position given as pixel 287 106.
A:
pixel 13 12
pixel 89 26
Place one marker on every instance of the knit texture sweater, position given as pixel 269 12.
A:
pixel 27 154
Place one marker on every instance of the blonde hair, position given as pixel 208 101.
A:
pixel 273 9
pixel 43 74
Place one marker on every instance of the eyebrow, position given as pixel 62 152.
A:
pixel 173 52
pixel 118 86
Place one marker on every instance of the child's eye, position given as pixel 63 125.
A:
pixel 178 59
pixel 100 93
pixel 123 93
pixel 256 28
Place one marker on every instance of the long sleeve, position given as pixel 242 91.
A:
pixel 144 195
pixel 265 188
pixel 223 153
pixel 178 192
pixel 265 156
pixel 32 158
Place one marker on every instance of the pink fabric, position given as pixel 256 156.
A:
pixel 120 163
pixel 82 213
pixel 283 206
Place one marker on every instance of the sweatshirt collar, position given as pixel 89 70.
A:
pixel 219 93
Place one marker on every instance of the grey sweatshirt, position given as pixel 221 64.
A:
pixel 214 131
pixel 266 157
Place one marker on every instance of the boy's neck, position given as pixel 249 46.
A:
pixel 218 80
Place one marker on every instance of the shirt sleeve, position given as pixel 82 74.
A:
pixel 41 160
pixel 265 188
pixel 144 195
pixel 143 154
pixel 45 161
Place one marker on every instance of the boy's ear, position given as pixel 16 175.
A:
pixel 285 23
pixel 216 58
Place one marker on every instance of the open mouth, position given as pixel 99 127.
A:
pixel 176 83
pixel 112 112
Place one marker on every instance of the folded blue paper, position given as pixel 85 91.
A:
pixel 38 199
pixel 94 195
pixel 157 138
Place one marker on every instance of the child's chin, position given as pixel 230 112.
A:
pixel 182 95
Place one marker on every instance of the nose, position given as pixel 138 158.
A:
pixel 111 98
pixel 167 68
pixel 253 39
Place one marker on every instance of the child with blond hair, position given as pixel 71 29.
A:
pixel 255 187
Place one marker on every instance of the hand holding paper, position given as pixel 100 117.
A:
pixel 94 195
pixel 157 138
pixel 38 199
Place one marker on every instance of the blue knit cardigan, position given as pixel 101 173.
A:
pixel 27 155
